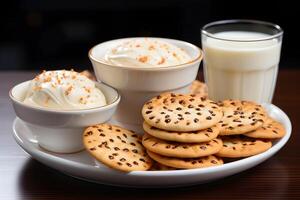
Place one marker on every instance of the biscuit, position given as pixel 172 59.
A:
pixel 178 112
pixel 198 87
pixel 186 163
pixel 271 129
pixel 181 150
pixel 160 167
pixel 204 135
pixel 242 146
pixel 240 117
pixel 116 147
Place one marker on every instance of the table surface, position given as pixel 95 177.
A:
pixel 21 177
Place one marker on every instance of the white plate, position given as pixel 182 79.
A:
pixel 82 166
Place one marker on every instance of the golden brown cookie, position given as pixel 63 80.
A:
pixel 241 117
pixel 198 87
pixel 116 147
pixel 160 167
pixel 242 146
pixel 186 163
pixel 271 129
pixel 178 112
pixel 204 135
pixel 181 150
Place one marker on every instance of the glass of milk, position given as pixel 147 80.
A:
pixel 241 59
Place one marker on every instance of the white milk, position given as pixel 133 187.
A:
pixel 241 70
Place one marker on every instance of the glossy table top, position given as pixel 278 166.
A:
pixel 21 177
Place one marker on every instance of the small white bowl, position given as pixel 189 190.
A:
pixel 136 85
pixel 60 131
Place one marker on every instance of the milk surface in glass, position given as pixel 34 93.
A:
pixel 237 66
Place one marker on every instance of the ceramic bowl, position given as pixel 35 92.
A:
pixel 136 85
pixel 58 130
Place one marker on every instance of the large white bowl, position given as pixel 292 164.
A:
pixel 136 85
pixel 61 130
pixel 83 166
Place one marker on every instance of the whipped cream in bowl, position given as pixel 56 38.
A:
pixel 56 106
pixel 64 90
pixel 145 52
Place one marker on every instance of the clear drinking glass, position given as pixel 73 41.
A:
pixel 241 59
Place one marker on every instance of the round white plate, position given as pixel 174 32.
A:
pixel 83 166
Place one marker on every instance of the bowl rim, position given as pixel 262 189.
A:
pixel 75 111
pixel 148 68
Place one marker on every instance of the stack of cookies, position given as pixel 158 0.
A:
pixel 184 132
pixel 246 129
pixel 181 131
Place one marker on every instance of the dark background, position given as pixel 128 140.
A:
pixel 50 34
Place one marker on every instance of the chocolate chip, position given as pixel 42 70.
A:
pixel 187 113
pixel 119 163
pixel 135 163
pixel 201 106
pixel 93 148
pixel 150 107
pixel 126 150
pixel 134 150
pixel 111 140
pixel 158 97
pixel 213 162
pixel 124 135
pixel 208 118
pixel 167 116
pixel 116 148
pixel 168 120
pixel 173 95
pixel 152 117
pixel 128 164
pixel 162 113
pixel 142 159
pixel 196 120
pixel 198 113
pixel 203 147
pixel 118 130
pixel 133 144
pixel 122 159
pixel 178 108
pixel 110 157
pixel 154 144
pixel 115 154
pixel 148 112
pixel 101 134
pixel 190 106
